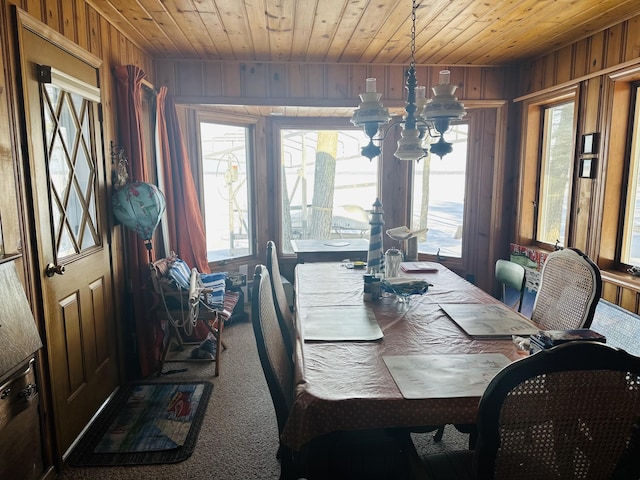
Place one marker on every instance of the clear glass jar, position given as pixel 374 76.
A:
pixel 392 260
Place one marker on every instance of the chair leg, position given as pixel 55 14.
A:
pixel 439 433
pixel 472 430
pixel 219 345
pixel 173 335
pixel 216 327
pixel 473 438
pixel 288 468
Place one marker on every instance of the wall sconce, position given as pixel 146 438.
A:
pixel 119 175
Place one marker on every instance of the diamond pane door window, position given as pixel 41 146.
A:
pixel 67 118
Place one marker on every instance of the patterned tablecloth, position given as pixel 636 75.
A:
pixel 347 386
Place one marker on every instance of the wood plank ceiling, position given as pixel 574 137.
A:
pixel 448 32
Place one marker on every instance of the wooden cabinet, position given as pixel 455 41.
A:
pixel 20 432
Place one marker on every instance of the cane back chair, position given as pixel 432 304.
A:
pixel 570 412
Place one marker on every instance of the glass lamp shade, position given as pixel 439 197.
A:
pixel 443 107
pixel 139 206
pixel 370 110
pixel 410 145
pixel 370 114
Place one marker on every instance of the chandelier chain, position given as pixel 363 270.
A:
pixel 413 32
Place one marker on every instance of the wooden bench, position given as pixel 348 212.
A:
pixel 621 327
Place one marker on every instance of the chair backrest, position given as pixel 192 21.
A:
pixel 285 318
pixel 570 287
pixel 274 358
pixel 512 275
pixel 565 413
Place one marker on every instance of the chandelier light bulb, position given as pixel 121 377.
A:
pixel 370 85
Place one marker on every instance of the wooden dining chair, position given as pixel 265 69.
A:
pixel 275 361
pixel 511 275
pixel 571 412
pixel 570 287
pixel 285 316
pixel 371 455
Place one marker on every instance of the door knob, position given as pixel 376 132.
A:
pixel 52 269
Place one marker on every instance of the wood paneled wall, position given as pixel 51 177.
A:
pixel 309 84
pixel 84 26
pixel 590 57
pixel 589 65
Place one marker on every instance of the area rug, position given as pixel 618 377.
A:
pixel 145 423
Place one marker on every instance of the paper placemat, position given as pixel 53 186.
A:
pixel 444 376
pixel 338 324
pixel 494 320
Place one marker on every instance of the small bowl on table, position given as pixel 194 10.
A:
pixel 403 288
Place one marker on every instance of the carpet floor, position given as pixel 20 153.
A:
pixel 238 438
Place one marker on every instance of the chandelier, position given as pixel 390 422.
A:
pixel 434 116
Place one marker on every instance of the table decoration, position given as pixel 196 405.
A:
pixel 403 288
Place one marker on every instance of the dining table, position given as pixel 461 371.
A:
pixel 348 385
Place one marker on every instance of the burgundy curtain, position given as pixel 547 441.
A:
pixel 148 331
pixel 184 219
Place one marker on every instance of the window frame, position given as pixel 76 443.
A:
pixel 530 166
pixel 544 108
pixel 465 207
pixel 250 124
pixel 632 117
pixel 301 123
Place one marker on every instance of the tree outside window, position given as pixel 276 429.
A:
pixel 327 186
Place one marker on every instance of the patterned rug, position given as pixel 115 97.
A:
pixel 145 423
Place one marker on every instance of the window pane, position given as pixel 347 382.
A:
pixel 225 153
pixel 72 169
pixel 329 185
pixel 438 197
pixel 631 236
pixel 555 174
